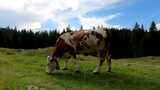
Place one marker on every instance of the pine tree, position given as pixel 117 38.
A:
pixel 153 38
pixel 137 39
pixel 81 28
pixel 136 27
pixel 68 29
pixel 153 27
pixel 142 28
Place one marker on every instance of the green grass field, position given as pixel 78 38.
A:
pixel 25 70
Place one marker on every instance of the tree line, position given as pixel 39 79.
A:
pixel 27 39
pixel 135 42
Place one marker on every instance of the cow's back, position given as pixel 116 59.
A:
pixel 85 41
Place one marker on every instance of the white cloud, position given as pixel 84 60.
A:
pixel 32 13
pixel 89 22
pixel 35 25
pixel 158 26
pixel 62 26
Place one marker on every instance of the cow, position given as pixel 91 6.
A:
pixel 82 42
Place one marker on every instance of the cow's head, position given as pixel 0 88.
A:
pixel 52 64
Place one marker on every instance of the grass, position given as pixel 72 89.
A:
pixel 25 70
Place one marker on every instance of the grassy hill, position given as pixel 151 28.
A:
pixel 25 70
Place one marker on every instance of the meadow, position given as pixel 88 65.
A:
pixel 25 70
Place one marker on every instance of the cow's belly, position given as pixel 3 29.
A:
pixel 88 51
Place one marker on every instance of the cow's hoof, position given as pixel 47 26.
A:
pixel 109 71
pixel 48 73
pixel 96 73
pixel 77 71
pixel 65 68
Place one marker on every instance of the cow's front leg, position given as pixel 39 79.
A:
pixel 77 65
pixel 57 67
pixel 66 64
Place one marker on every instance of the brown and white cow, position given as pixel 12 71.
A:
pixel 81 42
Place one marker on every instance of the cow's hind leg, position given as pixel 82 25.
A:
pixel 102 55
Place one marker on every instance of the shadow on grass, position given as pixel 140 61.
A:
pixel 114 80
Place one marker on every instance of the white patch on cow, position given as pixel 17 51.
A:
pixel 86 31
pixel 102 32
pixel 92 40
pixel 68 39
pixel 95 39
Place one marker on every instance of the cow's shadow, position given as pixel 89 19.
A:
pixel 114 80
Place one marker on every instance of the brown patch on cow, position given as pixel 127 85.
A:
pixel 98 35
pixel 79 35
pixel 62 47
pixel 86 36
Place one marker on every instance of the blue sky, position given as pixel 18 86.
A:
pixel 142 11
pixel 50 14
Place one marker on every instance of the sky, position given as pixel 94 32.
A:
pixel 51 14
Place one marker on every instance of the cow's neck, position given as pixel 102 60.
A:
pixel 57 53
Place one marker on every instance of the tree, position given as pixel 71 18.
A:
pixel 68 29
pixel 142 28
pixel 137 40
pixel 136 27
pixel 154 39
pixel 94 28
pixel 81 28
pixel 153 27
